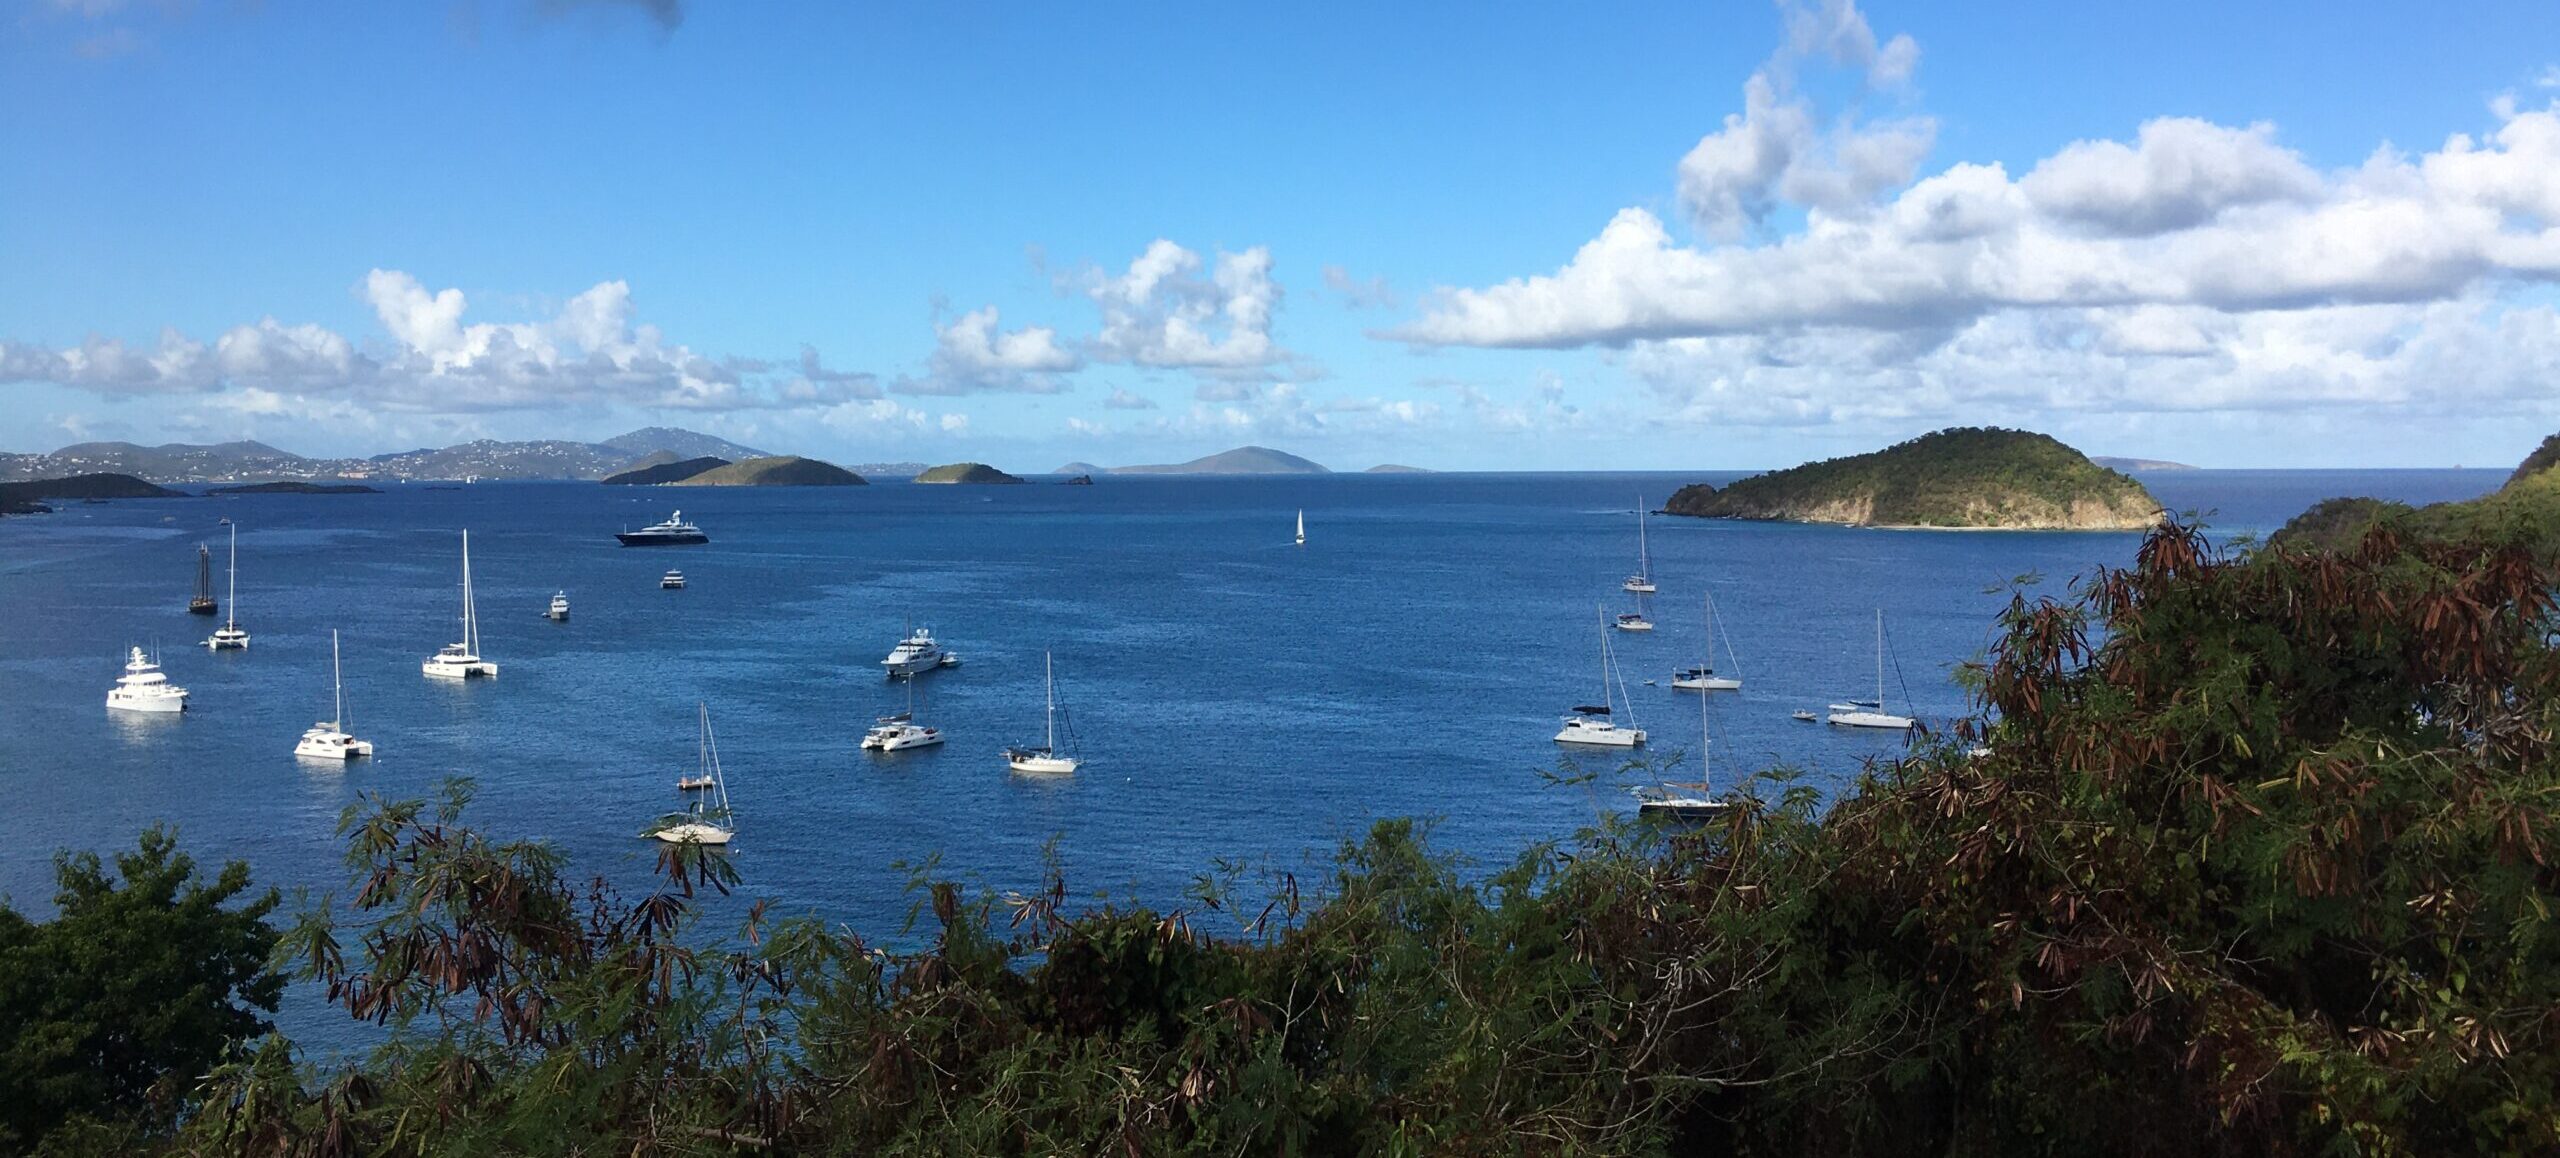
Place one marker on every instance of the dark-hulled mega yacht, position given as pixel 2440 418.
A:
pixel 674 532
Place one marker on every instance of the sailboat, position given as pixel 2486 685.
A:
pixel 1640 583
pixel 1594 725
pixel 328 739
pixel 203 603
pixel 901 731
pixel 1692 801
pixel 229 636
pixel 1045 758
pixel 1703 678
pixel 461 661
pixel 1302 526
pixel 699 824
pixel 1871 713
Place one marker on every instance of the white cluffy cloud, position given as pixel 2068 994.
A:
pixel 2195 266
pixel 975 354
pixel 434 361
pixel 1163 313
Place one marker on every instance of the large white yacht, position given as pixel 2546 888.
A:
pixel 674 532
pixel 559 612
pixel 328 739
pixel 1595 725
pixel 143 689
pixel 706 817
pixel 229 636
pixel 1871 713
pixel 1045 759
pixel 461 660
pixel 917 653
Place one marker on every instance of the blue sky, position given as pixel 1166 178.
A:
pixel 1459 236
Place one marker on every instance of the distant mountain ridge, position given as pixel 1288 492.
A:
pixel 1241 460
pixel 233 462
pixel 2113 463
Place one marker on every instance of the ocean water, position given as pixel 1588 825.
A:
pixel 1234 696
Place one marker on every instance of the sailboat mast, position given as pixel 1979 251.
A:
pixel 1879 659
pixel 1644 558
pixel 470 628
pixel 1049 668
pixel 231 598
pixel 338 681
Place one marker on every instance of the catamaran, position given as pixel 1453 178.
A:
pixel 1690 801
pixel 1640 583
pixel 706 820
pixel 1045 758
pixel 203 603
pixel 899 732
pixel 229 636
pixel 328 739
pixel 143 689
pixel 1703 678
pixel 1595 725
pixel 1871 713
pixel 461 661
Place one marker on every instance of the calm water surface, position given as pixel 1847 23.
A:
pixel 1234 696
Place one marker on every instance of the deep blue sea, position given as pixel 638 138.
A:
pixel 1235 696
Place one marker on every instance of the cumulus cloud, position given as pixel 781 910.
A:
pixel 1124 400
pixel 1163 312
pixel 975 354
pixel 2194 262
pixel 1356 293
pixel 436 361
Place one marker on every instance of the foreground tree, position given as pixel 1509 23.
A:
pixel 111 1011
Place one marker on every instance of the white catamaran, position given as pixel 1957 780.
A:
pixel 1045 758
pixel 706 819
pixel 461 661
pixel 328 739
pixel 897 733
pixel 1703 678
pixel 229 636
pixel 1595 725
pixel 1871 713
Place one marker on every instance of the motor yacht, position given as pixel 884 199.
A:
pixel 674 532
pixel 143 689
pixel 917 653
pixel 671 581
pixel 559 611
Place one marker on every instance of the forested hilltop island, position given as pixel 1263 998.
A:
pixel 2525 512
pixel 1965 477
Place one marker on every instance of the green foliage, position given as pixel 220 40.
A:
pixel 1960 477
pixel 142 981
pixel 2523 513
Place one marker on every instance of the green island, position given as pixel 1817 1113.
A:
pixel 295 488
pixel 662 468
pixel 2237 852
pixel 2525 512
pixel 1965 477
pixel 965 472
pixel 779 471
pixel 20 498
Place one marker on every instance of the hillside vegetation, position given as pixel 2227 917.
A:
pixel 2523 513
pixel 646 473
pixel 19 498
pixel 784 471
pixel 1977 477
pixel 964 472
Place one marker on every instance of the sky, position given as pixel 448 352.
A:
pixel 1482 236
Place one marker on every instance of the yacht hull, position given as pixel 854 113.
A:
pixel 153 705
pixel 1706 684
pixel 693 833
pixel 1871 720
pixel 1600 735
pixel 1039 764
pixel 900 742
pixel 480 669
pixel 648 539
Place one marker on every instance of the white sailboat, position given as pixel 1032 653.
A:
pixel 1302 526
pixel 461 661
pixel 1641 583
pixel 900 732
pixel 328 739
pixel 1595 725
pixel 229 636
pixel 1691 801
pixel 1703 678
pixel 1871 713
pixel 143 689
pixel 706 821
pixel 1045 758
